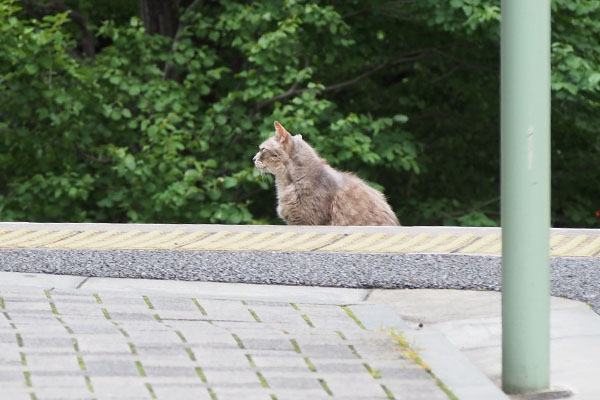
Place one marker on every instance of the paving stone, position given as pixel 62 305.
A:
pixel 330 351
pixel 305 381
pixel 114 344
pixel 226 310
pixel 303 394
pixel 162 303
pixel 361 385
pixel 56 381
pixel 64 393
pixel 214 358
pixel 267 344
pixel 47 342
pixel 170 371
pixel 110 367
pixel 53 363
pixel 120 388
pixel 232 377
pixel 11 375
pixel 325 366
pixel 276 361
pixel 227 393
pixel 181 392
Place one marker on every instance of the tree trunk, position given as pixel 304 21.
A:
pixel 160 16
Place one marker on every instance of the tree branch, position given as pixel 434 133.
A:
pixel 292 91
pixel 87 37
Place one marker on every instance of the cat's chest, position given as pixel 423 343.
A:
pixel 300 205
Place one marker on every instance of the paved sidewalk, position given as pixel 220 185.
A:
pixel 69 337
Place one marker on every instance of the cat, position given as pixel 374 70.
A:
pixel 310 192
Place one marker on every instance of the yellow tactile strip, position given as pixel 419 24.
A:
pixel 576 245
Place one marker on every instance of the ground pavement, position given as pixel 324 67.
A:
pixel 74 332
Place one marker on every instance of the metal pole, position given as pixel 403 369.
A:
pixel 525 195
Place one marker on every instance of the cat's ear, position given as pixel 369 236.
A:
pixel 281 134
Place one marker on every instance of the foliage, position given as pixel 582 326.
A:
pixel 161 129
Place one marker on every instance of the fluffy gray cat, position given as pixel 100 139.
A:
pixel 310 192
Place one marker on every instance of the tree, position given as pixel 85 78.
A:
pixel 160 121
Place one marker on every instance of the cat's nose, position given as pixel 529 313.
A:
pixel 255 158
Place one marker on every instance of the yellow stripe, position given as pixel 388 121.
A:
pixel 155 243
pixel 65 243
pixel 365 245
pixel 570 245
pixel 111 241
pixel 50 238
pixel 431 243
pixel 268 244
pixel 296 241
pixel 226 242
pixel 245 245
pixel 317 242
pixel 344 243
pixel 455 244
pixel 13 234
pixel 484 241
pixel 556 239
pixel 140 238
pixel 406 246
pixel 201 244
pixel 21 240
pixel 387 242
pixel 589 249
pixel 176 240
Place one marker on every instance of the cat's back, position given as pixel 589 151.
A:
pixel 356 203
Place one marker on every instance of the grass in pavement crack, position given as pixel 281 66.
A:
pixel 212 394
pixel 238 340
pixel 353 350
pixel 307 320
pixel 262 380
pixel 374 373
pixel 190 353
pixel 310 365
pixel 105 312
pixel 294 306
pixel 202 311
pixel 88 383
pixel 27 375
pixel 414 356
pixel 2 302
pixel 388 392
pixel 80 362
pixel 19 340
pixel 251 361
pixel 147 300
pixel 140 368
pixel 23 359
pixel 353 316
pixel 178 333
pixel 97 298
pixel 201 374
pixel 254 315
pixel 325 387
pixel 295 344
pixel 132 348
pixel 53 307
pixel 149 387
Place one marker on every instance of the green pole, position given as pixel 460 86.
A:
pixel 525 195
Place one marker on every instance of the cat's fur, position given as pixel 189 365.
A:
pixel 310 192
